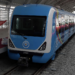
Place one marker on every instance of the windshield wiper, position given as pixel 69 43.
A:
pixel 20 34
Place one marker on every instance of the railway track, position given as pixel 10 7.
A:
pixel 36 71
pixel 12 69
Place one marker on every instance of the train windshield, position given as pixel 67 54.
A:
pixel 29 25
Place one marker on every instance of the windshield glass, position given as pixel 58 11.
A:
pixel 29 25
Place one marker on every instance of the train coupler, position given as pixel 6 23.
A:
pixel 23 61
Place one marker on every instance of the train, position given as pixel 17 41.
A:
pixel 37 31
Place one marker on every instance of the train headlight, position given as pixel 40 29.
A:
pixel 11 44
pixel 43 47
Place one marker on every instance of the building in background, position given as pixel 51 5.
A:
pixel 5 15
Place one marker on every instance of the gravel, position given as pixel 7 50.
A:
pixel 64 63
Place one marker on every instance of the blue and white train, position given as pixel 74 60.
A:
pixel 37 31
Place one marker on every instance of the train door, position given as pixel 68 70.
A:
pixel 66 27
pixel 60 28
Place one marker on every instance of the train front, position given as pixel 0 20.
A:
pixel 30 33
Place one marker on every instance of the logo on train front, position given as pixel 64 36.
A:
pixel 25 44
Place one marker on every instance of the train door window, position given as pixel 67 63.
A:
pixel 66 22
pixel 62 23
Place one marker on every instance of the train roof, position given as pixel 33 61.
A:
pixel 36 5
pixel 32 9
pixel 42 8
